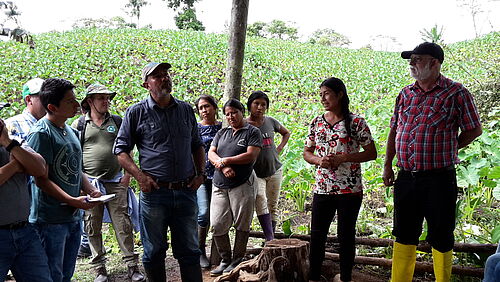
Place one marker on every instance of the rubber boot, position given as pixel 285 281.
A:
pixel 191 273
pixel 224 248
pixel 155 274
pixel 202 238
pixel 267 226
pixel 240 248
pixel 403 262
pixel 442 265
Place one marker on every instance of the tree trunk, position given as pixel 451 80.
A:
pixel 280 260
pixel 236 52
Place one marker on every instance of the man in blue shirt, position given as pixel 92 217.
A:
pixel 172 163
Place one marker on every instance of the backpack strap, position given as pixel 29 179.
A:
pixel 81 126
pixel 118 120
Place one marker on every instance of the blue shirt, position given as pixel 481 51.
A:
pixel 165 138
pixel 19 126
pixel 61 150
pixel 207 133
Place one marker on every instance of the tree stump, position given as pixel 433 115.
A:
pixel 281 260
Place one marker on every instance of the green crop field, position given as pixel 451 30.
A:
pixel 290 72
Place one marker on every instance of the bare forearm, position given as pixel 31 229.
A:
pixel 390 150
pixel 284 141
pixel 33 163
pixel 245 158
pixel 199 160
pixel 7 171
pixel 466 137
pixel 52 189
pixel 310 157
pixel 369 153
pixel 129 165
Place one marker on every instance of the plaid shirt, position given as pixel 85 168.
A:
pixel 19 126
pixel 427 124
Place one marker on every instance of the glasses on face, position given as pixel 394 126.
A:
pixel 418 59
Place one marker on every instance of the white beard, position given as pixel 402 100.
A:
pixel 421 74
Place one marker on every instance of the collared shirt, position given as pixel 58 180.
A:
pixel 165 138
pixel 427 124
pixel 19 125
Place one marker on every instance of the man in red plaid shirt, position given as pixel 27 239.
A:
pixel 425 137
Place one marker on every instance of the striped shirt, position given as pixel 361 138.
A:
pixel 427 124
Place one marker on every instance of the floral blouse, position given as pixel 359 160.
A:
pixel 329 138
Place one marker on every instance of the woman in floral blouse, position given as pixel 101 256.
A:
pixel 333 146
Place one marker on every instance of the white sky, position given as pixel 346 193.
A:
pixel 360 20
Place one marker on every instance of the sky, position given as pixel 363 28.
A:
pixel 362 21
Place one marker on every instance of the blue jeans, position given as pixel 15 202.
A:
pixel 22 252
pixel 492 267
pixel 204 195
pixel 175 209
pixel 61 242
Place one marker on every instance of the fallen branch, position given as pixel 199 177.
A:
pixel 488 249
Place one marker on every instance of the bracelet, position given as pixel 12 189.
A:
pixel 13 143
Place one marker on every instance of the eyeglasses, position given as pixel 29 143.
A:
pixel 417 60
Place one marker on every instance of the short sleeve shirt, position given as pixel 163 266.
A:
pixel 207 133
pixel 427 124
pixel 327 139
pixel 19 126
pixel 267 162
pixel 228 144
pixel 61 150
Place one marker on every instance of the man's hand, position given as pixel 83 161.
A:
pixel 228 172
pixel 82 203
pixel 146 182
pixel 95 193
pixel 220 163
pixel 388 176
pixel 195 183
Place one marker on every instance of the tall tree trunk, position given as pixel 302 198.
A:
pixel 236 52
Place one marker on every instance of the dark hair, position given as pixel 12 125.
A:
pixel 53 90
pixel 234 104
pixel 257 95
pixel 207 98
pixel 337 86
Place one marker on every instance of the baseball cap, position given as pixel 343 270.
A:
pixel 149 68
pixel 426 48
pixel 95 89
pixel 32 87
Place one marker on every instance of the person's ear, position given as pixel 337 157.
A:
pixel 27 99
pixel 52 108
pixel 145 85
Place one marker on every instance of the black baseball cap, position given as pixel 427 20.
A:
pixel 426 48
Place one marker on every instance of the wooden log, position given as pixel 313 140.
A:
pixel 488 249
pixel 419 266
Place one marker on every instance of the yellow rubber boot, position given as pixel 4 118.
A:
pixel 403 262
pixel 442 265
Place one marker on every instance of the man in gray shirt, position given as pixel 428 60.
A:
pixel 172 164
pixel 20 246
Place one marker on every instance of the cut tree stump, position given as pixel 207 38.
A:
pixel 281 260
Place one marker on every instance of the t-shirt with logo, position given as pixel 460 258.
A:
pixel 61 150
pixel 267 162
pixel 228 145
pixel 98 158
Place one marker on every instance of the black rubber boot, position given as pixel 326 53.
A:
pixel 240 248
pixel 191 273
pixel 202 239
pixel 224 248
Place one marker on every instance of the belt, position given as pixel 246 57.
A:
pixel 16 225
pixel 429 172
pixel 173 185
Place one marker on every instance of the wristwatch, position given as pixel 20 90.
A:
pixel 13 143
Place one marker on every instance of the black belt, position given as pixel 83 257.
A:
pixel 429 172
pixel 16 225
pixel 173 185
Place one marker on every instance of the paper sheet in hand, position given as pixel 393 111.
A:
pixel 102 199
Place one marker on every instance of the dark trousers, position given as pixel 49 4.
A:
pixel 323 211
pixel 431 195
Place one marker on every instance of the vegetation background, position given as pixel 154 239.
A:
pixel 290 72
